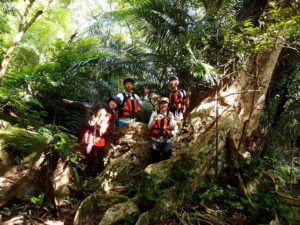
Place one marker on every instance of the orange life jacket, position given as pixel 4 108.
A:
pixel 129 107
pixel 162 126
pixel 176 101
pixel 98 125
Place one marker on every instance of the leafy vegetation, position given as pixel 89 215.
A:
pixel 202 42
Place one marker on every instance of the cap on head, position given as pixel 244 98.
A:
pixel 163 99
pixel 128 79
pixel 173 77
pixel 116 99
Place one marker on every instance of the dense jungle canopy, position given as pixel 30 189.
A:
pixel 236 158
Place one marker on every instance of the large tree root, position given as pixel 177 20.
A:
pixel 37 180
pixel 96 205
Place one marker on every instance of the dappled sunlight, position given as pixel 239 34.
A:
pixel 241 112
pixel 50 222
pixel 127 156
pixel 260 102
pixel 203 106
pixel 107 183
pixel 64 61
pixel 227 100
pixel 3 180
pixel 62 178
pixel 230 95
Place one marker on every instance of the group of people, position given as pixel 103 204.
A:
pixel 123 109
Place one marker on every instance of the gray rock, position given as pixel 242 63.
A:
pixel 96 204
pixel 119 212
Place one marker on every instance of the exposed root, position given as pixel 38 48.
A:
pixel 197 217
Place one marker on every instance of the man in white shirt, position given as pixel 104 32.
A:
pixel 130 103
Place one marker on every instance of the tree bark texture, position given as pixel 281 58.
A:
pixel 37 180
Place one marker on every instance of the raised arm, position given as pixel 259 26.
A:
pixel 84 104
pixel 67 101
pixel 186 100
pixel 142 103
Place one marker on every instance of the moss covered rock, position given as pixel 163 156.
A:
pixel 4 124
pixel 144 219
pixel 19 147
pixel 130 157
pixel 120 212
pixel 95 206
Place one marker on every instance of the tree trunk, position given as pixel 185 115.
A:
pixel 37 180
pixel 254 10
pixel 24 25
pixel 10 53
pixel 240 105
pixel 253 87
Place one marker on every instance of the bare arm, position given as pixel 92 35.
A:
pixel 67 101
pixel 141 103
pixel 84 104
pixel 152 120
pixel 186 101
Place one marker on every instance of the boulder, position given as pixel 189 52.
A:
pixel 4 124
pixel 96 205
pixel 120 212
pixel 144 219
pixel 128 158
pixel 19 147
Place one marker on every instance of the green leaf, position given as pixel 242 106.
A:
pixel 73 158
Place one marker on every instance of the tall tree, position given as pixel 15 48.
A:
pixel 26 20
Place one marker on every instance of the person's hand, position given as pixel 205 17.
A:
pixel 169 116
pixel 177 114
pixel 146 91
pixel 189 92
pixel 155 117
pixel 67 101
pixel 154 96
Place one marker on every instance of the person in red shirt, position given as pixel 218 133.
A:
pixel 100 127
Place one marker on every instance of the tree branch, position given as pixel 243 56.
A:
pixel 33 19
pixel 24 16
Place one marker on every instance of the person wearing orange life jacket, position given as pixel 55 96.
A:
pixel 161 124
pixel 178 99
pixel 100 127
pixel 130 103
